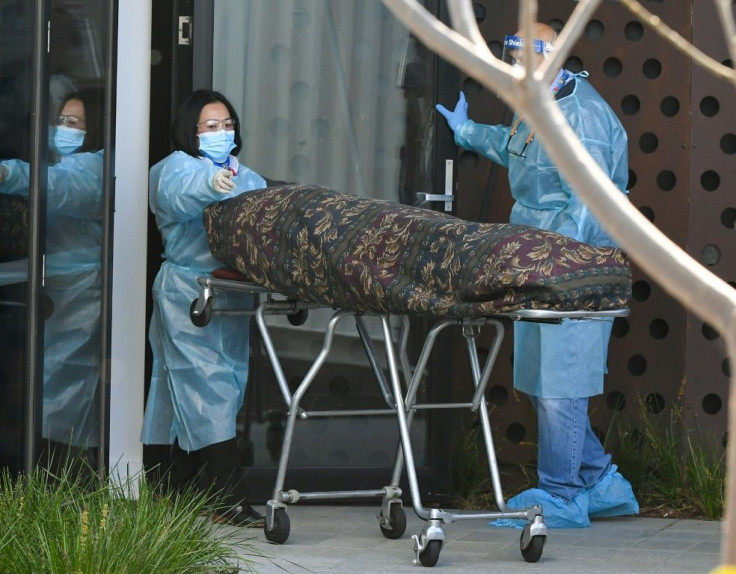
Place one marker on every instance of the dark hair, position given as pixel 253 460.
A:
pixel 93 100
pixel 184 128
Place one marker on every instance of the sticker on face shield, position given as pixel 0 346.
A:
pixel 517 43
pixel 513 43
pixel 513 49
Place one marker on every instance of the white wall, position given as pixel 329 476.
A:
pixel 130 236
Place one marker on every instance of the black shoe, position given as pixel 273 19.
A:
pixel 240 515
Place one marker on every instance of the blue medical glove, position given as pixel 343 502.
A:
pixel 458 116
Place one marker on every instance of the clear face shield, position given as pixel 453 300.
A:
pixel 513 50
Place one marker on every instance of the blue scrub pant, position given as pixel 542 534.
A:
pixel 570 456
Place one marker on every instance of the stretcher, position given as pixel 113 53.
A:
pixel 400 394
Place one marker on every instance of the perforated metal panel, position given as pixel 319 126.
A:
pixel 711 217
pixel 680 123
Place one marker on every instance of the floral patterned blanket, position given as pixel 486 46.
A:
pixel 314 244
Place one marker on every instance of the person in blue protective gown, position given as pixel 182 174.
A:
pixel 199 374
pixel 559 366
pixel 72 284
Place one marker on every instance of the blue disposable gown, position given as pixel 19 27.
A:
pixel 568 360
pixel 71 333
pixel 199 374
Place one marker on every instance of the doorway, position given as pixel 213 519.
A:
pixel 335 93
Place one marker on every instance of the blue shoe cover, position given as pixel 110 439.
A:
pixel 612 496
pixel 558 513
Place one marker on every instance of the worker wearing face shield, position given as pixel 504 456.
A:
pixel 513 49
pixel 559 366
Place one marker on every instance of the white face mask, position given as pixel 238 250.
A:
pixel 68 140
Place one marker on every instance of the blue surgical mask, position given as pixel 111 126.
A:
pixel 217 145
pixel 68 140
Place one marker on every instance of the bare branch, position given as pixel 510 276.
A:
pixel 711 298
pixel 725 15
pixel 683 277
pixel 528 18
pixel 676 271
pixel 566 40
pixel 463 21
pixel 655 22
pixel 728 548
pixel 452 46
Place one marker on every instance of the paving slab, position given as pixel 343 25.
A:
pixel 346 539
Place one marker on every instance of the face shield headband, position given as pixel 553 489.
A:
pixel 513 47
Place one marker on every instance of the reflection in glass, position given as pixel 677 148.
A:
pixel 16 80
pixel 70 426
pixel 75 72
pixel 72 285
pixel 73 266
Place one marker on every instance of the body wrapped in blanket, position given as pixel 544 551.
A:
pixel 318 245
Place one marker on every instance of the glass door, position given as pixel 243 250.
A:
pixel 56 121
pixel 19 58
pixel 335 93
pixel 78 204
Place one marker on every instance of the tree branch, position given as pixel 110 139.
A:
pixel 711 298
pixel 463 21
pixel 725 15
pixel 452 46
pixel 655 22
pixel 570 34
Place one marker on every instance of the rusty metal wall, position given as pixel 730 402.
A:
pixel 680 124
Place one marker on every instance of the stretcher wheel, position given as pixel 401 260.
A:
pixel 201 319
pixel 281 527
pixel 299 318
pixel 431 554
pixel 397 520
pixel 533 551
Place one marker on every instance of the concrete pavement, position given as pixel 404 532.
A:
pixel 346 539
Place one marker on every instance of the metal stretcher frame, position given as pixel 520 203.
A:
pixel 399 402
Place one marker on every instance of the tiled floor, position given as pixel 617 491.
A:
pixel 347 539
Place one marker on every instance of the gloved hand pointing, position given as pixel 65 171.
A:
pixel 222 181
pixel 458 116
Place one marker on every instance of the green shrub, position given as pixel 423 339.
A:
pixel 68 525
pixel 673 468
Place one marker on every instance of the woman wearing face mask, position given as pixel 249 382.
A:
pixel 199 374
pixel 72 283
pixel 75 181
